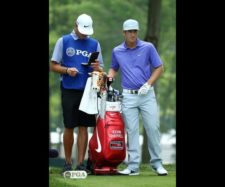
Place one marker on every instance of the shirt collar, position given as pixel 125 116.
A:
pixel 138 43
pixel 75 37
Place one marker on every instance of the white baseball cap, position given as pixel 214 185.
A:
pixel 84 24
pixel 130 24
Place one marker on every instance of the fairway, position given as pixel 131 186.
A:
pixel 147 178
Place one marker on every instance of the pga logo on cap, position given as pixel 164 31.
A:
pixel 75 174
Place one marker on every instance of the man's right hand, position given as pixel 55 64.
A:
pixel 72 71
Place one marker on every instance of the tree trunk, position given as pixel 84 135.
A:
pixel 153 25
pixel 152 35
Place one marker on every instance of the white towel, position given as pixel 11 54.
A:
pixel 88 102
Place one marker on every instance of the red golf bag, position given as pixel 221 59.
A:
pixel 107 148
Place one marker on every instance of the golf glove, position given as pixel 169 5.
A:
pixel 144 89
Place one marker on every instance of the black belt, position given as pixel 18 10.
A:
pixel 130 91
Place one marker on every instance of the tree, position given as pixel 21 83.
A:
pixel 152 35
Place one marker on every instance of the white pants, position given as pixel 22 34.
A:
pixel 146 105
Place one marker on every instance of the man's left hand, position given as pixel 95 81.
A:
pixel 95 66
pixel 144 89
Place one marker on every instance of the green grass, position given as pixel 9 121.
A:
pixel 147 178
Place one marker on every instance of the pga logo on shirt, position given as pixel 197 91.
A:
pixel 71 52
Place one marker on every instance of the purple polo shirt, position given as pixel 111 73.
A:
pixel 135 63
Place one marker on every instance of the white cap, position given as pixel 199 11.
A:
pixel 130 24
pixel 84 23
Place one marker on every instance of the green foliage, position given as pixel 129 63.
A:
pixel 108 17
pixel 167 49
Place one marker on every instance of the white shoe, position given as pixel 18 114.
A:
pixel 160 171
pixel 128 172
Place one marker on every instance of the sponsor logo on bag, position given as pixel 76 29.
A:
pixel 99 148
pixel 116 145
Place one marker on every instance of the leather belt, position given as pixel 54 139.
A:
pixel 130 91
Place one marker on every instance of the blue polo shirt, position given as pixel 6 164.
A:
pixel 135 63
